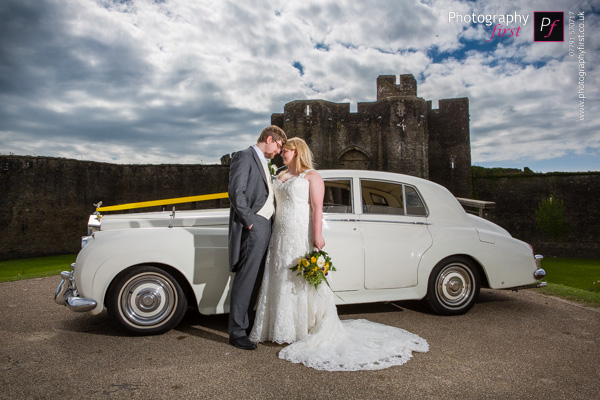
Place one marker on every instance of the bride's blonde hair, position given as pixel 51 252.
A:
pixel 304 157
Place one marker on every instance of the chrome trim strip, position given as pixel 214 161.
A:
pixel 404 199
pixel 376 220
pixel 397 222
pixel 530 286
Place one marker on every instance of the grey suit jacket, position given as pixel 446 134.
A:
pixel 248 192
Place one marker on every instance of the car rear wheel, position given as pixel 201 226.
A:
pixel 146 300
pixel 453 286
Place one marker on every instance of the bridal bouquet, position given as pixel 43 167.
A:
pixel 314 267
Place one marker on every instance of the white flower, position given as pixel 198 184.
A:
pixel 320 262
pixel 272 168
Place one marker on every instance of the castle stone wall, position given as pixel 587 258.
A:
pixel 45 202
pixel 397 133
pixel 450 145
pixel 387 87
pixel 386 135
pixel 518 197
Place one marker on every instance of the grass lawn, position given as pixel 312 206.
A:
pixel 573 279
pixel 578 273
pixel 14 270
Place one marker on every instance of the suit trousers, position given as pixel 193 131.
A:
pixel 245 287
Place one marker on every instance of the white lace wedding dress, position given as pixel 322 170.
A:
pixel 290 310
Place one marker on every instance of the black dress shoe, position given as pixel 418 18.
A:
pixel 242 343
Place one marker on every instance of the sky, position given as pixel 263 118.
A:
pixel 187 81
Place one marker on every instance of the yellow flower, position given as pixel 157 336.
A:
pixel 326 265
pixel 305 262
pixel 313 260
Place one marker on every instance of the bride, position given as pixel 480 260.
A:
pixel 290 310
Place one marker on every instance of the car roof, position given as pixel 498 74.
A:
pixel 440 202
pixel 392 176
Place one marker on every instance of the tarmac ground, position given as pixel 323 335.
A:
pixel 511 345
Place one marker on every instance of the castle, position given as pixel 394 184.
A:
pixel 399 132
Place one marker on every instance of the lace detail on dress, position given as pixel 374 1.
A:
pixel 282 310
pixel 289 310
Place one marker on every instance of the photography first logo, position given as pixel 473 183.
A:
pixel 502 22
pixel 548 26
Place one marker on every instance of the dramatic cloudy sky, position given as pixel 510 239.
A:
pixel 186 81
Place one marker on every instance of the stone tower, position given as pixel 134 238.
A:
pixel 450 145
pixel 397 133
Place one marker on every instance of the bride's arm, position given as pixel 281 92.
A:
pixel 316 191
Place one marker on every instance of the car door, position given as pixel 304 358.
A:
pixel 394 233
pixel 341 230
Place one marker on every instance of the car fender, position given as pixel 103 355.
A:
pixel 508 262
pixel 447 241
pixel 505 262
pixel 112 252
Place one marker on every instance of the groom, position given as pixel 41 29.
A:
pixel 252 206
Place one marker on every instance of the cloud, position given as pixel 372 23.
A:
pixel 188 81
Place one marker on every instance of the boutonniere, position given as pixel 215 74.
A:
pixel 272 168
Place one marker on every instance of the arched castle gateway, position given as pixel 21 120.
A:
pixel 399 132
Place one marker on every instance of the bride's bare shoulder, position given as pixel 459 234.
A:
pixel 313 176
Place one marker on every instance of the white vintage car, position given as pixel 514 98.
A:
pixel 391 237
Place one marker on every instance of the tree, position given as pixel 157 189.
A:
pixel 550 217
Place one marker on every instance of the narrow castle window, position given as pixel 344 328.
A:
pixel 308 111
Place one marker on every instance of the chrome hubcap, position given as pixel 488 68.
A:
pixel 454 285
pixel 148 299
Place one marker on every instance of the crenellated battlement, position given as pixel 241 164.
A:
pixel 387 87
pixel 398 133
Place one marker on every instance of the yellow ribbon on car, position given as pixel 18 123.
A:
pixel 165 202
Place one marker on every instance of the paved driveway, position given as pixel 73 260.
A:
pixel 509 346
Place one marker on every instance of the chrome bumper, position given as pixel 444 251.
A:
pixel 539 272
pixel 67 295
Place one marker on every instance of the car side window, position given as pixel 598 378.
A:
pixel 414 204
pixel 338 196
pixel 380 197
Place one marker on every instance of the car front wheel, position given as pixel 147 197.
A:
pixel 146 300
pixel 453 286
